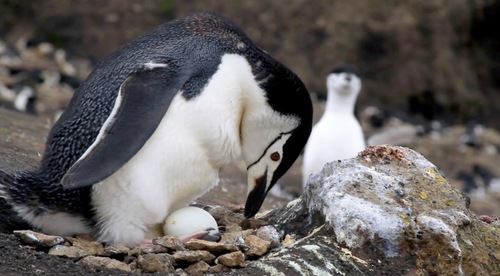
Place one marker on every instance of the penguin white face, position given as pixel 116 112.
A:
pixel 264 139
pixel 345 83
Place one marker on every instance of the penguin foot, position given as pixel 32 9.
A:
pixel 147 241
pixel 205 234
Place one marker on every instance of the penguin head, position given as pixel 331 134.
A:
pixel 274 136
pixel 344 79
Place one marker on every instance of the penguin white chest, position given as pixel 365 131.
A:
pixel 169 172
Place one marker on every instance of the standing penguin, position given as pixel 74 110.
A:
pixel 149 129
pixel 338 134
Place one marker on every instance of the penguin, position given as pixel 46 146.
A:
pixel 149 129
pixel 338 134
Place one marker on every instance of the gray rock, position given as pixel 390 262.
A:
pixel 104 262
pixel 387 208
pixel 269 233
pixel 161 262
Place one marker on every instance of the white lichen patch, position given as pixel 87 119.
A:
pixel 355 220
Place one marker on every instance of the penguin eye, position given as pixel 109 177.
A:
pixel 275 156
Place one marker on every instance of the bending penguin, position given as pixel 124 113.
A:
pixel 338 134
pixel 149 129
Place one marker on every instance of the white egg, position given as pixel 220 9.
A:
pixel 188 220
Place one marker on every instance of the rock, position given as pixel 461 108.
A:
pixel 193 256
pixel 218 268
pixel 147 249
pixel 251 223
pixel 198 268
pixel 212 247
pixel 387 208
pixel 161 262
pixel 115 249
pixel 269 233
pixel 256 246
pixel 104 262
pixel 233 259
pixel 79 248
pixel 170 242
pixel 38 240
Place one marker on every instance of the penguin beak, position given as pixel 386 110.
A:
pixel 256 195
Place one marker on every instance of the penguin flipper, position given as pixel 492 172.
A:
pixel 142 102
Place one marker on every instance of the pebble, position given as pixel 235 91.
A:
pixel 38 240
pixel 256 246
pixel 170 242
pixel 104 262
pixel 198 268
pixel 212 247
pixel 193 256
pixel 161 262
pixel 233 259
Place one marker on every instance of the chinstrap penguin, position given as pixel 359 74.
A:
pixel 338 134
pixel 149 129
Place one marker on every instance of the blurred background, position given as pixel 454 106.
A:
pixel 430 69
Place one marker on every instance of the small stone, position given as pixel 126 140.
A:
pixel 147 249
pixel 104 262
pixel 289 240
pixel 38 240
pixel 170 242
pixel 256 246
pixel 235 237
pixel 251 223
pixel 156 263
pixel 269 233
pixel 70 252
pixel 219 268
pixel 115 249
pixel 233 259
pixel 198 268
pixel 93 247
pixel 212 247
pixel 193 256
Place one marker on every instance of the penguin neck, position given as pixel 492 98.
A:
pixel 339 104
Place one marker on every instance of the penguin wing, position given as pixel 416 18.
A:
pixel 142 101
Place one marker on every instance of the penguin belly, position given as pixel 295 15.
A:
pixel 332 140
pixel 170 171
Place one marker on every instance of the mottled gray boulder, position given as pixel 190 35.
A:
pixel 388 211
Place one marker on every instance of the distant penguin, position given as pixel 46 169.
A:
pixel 148 131
pixel 338 134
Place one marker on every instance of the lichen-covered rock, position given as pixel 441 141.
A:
pixel 161 262
pixel 104 262
pixel 388 204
